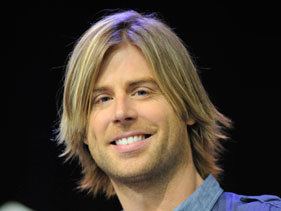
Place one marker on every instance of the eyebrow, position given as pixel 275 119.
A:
pixel 129 84
pixel 142 81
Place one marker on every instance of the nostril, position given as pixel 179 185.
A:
pixel 124 120
pixel 128 118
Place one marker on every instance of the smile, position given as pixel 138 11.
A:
pixel 131 139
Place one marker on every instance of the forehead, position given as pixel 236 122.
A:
pixel 126 62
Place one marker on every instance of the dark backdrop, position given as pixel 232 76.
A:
pixel 235 46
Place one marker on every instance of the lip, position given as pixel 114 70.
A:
pixel 128 134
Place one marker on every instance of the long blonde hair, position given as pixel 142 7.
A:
pixel 175 74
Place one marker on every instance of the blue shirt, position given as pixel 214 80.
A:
pixel 211 197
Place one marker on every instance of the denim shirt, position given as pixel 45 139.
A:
pixel 210 196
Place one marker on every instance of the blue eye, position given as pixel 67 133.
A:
pixel 102 99
pixel 141 92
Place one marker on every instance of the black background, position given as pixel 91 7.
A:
pixel 236 46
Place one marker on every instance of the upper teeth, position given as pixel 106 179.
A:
pixel 129 140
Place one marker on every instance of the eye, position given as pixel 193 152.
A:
pixel 102 99
pixel 141 92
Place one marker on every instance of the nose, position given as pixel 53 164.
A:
pixel 124 111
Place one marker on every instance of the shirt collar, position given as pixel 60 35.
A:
pixel 204 197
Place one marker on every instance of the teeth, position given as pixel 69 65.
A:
pixel 129 140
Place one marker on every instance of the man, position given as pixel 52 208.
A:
pixel 138 118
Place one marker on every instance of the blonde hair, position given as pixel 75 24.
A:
pixel 174 72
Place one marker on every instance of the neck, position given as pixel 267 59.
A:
pixel 163 193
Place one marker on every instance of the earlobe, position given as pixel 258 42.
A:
pixel 190 121
pixel 85 141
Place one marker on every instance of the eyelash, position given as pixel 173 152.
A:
pixel 141 90
pixel 98 100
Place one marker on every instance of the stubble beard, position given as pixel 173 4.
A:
pixel 158 171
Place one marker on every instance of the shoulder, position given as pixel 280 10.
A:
pixel 232 201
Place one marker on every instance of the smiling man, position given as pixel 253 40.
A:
pixel 138 118
pixel 135 136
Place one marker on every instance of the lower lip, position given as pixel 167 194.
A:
pixel 132 147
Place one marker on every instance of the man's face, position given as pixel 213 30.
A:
pixel 133 132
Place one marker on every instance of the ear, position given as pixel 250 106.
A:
pixel 190 121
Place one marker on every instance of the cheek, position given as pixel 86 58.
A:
pixel 97 124
pixel 158 112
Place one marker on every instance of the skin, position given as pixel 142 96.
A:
pixel 157 173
